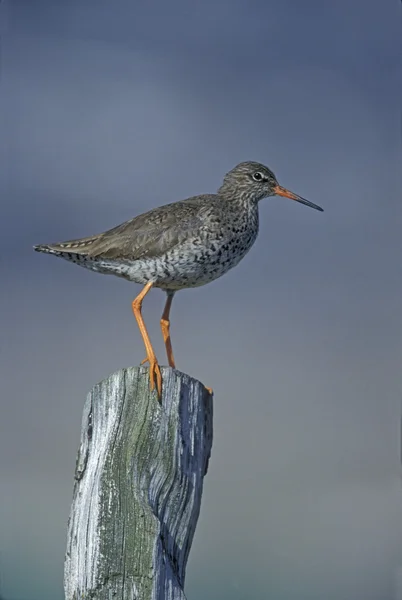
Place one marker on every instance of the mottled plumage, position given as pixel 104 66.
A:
pixel 183 244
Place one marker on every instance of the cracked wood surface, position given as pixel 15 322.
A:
pixel 138 486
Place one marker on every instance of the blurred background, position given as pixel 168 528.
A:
pixel 111 108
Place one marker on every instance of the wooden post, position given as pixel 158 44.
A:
pixel 138 485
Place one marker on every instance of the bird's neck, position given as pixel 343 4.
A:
pixel 238 196
pixel 244 205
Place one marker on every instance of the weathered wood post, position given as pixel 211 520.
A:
pixel 138 485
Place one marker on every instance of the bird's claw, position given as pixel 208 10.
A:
pixel 154 370
pixel 157 370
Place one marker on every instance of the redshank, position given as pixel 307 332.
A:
pixel 180 245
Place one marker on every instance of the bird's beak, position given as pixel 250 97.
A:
pixel 281 191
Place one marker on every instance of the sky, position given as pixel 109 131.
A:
pixel 108 109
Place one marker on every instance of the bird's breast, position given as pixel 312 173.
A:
pixel 213 252
pixel 207 254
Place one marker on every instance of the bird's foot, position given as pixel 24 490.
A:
pixel 209 390
pixel 154 371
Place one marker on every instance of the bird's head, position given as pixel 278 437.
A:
pixel 253 181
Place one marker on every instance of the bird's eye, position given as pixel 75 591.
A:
pixel 257 176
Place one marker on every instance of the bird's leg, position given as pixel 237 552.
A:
pixel 154 369
pixel 165 326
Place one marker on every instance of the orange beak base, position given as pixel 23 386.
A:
pixel 281 191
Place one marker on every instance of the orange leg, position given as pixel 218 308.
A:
pixel 165 326
pixel 154 370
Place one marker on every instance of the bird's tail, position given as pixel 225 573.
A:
pixel 64 251
pixel 47 249
pixel 81 246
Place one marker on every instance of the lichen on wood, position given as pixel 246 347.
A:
pixel 138 486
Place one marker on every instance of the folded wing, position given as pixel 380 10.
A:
pixel 149 235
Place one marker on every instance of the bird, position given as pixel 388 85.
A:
pixel 184 244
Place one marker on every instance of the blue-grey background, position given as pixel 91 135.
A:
pixel 111 108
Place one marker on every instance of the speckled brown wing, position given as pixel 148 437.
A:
pixel 149 235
